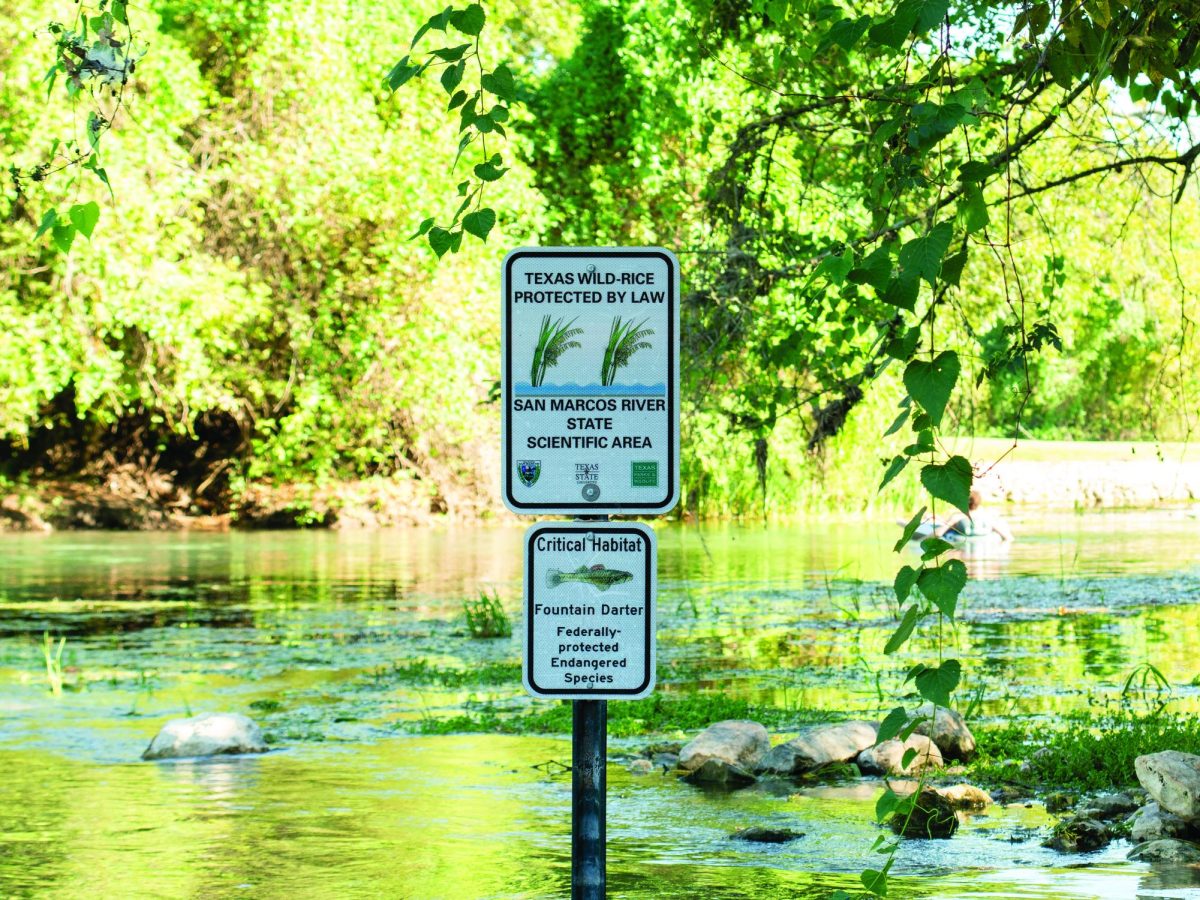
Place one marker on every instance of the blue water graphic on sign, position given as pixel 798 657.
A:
pixel 525 389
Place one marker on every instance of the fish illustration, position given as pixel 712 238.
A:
pixel 597 576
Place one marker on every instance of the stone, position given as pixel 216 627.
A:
pixel 887 758
pixel 1058 801
pixel 1173 779
pixel 1006 794
pixel 1167 850
pixel 718 773
pixel 767 835
pixel 1108 806
pixel 1153 823
pixel 735 742
pixel 208 734
pixel 949 731
pixel 817 746
pixel 966 796
pixel 641 767
pixel 1078 834
pixel 932 817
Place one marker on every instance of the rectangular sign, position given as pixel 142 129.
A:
pixel 590 381
pixel 590 592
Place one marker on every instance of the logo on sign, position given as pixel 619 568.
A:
pixel 587 472
pixel 644 474
pixel 591 492
pixel 529 470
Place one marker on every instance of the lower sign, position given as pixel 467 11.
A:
pixel 589 610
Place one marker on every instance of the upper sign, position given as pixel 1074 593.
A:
pixel 589 610
pixel 590 380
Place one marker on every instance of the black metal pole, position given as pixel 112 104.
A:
pixel 589 740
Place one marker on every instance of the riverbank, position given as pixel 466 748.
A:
pixel 1052 475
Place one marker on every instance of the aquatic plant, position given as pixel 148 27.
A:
pixel 486 617
pixel 624 340
pixel 53 660
pixel 1148 684
pixel 554 339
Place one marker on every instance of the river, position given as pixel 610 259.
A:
pixel 306 631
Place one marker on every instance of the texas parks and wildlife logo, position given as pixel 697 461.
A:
pixel 529 470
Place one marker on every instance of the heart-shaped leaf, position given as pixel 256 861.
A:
pixel 950 482
pixel 931 383
pixel 941 586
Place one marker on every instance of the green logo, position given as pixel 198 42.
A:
pixel 644 474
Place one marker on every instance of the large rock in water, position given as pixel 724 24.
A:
pixel 819 746
pixel 1153 823
pixel 932 817
pixel 725 752
pixel 949 731
pixel 209 734
pixel 1173 779
pixel 887 758
pixel 1167 850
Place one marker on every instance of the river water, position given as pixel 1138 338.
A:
pixel 305 631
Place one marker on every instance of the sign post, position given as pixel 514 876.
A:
pixel 590 387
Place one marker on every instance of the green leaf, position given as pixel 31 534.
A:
pixel 902 292
pixel 897 424
pixel 909 755
pixel 834 268
pixel 973 211
pixel 895 467
pixel 909 530
pixel 876 269
pixel 49 220
pixel 440 240
pixel 931 383
pixel 470 20
pixel 952 267
pixel 903 631
pixel 932 13
pixel 500 82
pixel 942 586
pixel 63 236
pixel 922 257
pixel 891 725
pixel 933 547
pixel 451 54
pixel 936 685
pixel 480 222
pixel 452 75
pixel 886 804
pixel 904 347
pixel 845 33
pixel 438 22
pixel 459 98
pixel 975 171
pixel 874 881
pixel 84 217
pixel 425 226
pixel 490 170
pixel 401 73
pixel 904 581
pixel 893 30
pixel 950 482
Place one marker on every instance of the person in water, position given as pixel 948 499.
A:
pixel 979 523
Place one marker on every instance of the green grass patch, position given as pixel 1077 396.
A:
pixel 1088 753
pixel 626 718
pixel 423 672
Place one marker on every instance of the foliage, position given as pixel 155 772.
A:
pixel 52 657
pixel 486 617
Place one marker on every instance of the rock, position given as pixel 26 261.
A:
pixel 1078 834
pixel 819 746
pixel 209 734
pixel 887 758
pixel 966 796
pixel 1057 801
pixel 1006 794
pixel 948 730
pixel 1153 823
pixel 719 773
pixel 1168 850
pixel 666 761
pixel 1108 806
pixel 735 742
pixel 767 835
pixel 932 817
pixel 1173 779
pixel 641 767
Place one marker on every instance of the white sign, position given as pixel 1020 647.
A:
pixel 590 378
pixel 589 610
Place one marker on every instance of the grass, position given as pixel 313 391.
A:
pixel 1089 753
pixel 653 715
pixel 53 660
pixel 422 672
pixel 486 617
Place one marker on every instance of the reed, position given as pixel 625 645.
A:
pixel 53 660
pixel 486 617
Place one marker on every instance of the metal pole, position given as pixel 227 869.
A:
pixel 589 739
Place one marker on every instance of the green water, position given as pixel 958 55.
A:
pixel 301 630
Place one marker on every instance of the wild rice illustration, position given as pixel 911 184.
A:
pixel 554 340
pixel 624 340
